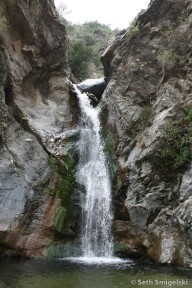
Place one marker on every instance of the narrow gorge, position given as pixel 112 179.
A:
pixel 124 161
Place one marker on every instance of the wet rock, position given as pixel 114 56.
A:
pixel 66 249
pixel 93 86
pixel 129 240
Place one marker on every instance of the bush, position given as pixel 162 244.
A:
pixel 80 57
pixel 3 22
pixel 133 30
pixel 175 150
pixel 145 116
pixel 167 57
pixel 93 38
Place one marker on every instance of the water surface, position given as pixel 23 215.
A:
pixel 67 274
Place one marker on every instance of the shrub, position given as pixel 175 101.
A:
pixel 175 150
pixel 145 116
pixel 167 59
pixel 80 57
pixel 133 30
pixel 3 22
pixel 94 37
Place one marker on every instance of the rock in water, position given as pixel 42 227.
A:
pixel 93 86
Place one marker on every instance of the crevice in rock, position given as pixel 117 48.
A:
pixel 21 119
pixel 8 90
pixel 153 215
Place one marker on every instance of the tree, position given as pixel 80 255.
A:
pixel 80 58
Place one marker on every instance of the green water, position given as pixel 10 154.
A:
pixel 64 274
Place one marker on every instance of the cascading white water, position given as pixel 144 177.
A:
pixel 93 176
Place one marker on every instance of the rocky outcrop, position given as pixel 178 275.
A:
pixel 36 113
pixel 147 129
pixel 95 87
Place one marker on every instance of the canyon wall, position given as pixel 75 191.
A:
pixel 38 115
pixel 147 118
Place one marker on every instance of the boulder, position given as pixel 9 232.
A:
pixel 93 86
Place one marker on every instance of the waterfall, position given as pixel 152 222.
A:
pixel 93 176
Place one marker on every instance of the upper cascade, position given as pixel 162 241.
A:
pixel 94 86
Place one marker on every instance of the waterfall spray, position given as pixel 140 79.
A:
pixel 93 176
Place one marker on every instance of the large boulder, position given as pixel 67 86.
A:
pixel 93 86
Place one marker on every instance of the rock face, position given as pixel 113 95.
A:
pixel 36 113
pixel 148 96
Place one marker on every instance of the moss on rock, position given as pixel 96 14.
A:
pixel 60 219
pixel 109 148
pixel 59 250
pixel 64 166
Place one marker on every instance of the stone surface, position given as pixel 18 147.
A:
pixel 186 185
pixel 129 240
pixel 149 85
pixel 37 114
pixel 93 86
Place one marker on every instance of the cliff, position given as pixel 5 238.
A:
pixel 148 103
pixel 37 111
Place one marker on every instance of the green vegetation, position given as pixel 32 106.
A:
pixel 166 58
pixel 145 116
pixel 109 147
pixel 118 178
pixel 60 220
pixel 87 42
pixel 80 59
pixel 133 30
pixel 55 250
pixel 65 167
pixel 175 150
pixel 109 143
pixel 61 249
pixel 120 248
pixel 3 22
pixel 67 180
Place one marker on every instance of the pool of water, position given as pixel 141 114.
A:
pixel 78 274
